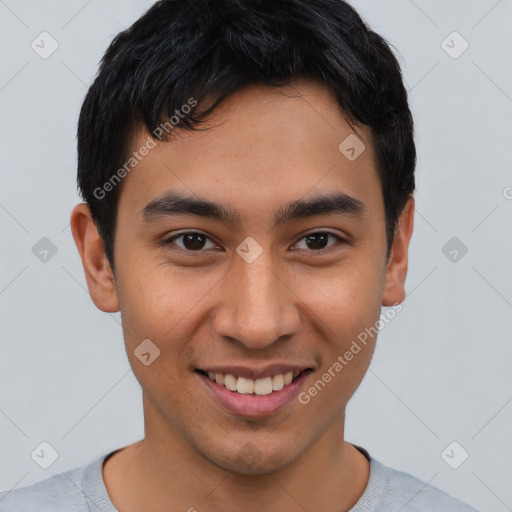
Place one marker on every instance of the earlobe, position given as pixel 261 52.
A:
pixel 396 270
pixel 98 273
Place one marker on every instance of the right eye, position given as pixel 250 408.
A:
pixel 191 241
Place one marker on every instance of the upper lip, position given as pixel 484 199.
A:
pixel 256 373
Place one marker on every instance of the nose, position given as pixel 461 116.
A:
pixel 256 306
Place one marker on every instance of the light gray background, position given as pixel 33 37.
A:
pixel 442 369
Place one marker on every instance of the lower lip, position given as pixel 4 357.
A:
pixel 253 406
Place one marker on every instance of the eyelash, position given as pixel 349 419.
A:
pixel 170 240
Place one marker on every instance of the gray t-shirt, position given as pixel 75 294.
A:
pixel 83 490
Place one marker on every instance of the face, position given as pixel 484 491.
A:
pixel 267 288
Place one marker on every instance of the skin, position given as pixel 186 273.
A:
pixel 266 147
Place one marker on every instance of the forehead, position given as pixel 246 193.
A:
pixel 260 148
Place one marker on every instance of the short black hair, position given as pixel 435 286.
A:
pixel 198 52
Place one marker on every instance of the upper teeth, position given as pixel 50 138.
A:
pixel 244 386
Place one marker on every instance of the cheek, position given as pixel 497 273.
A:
pixel 163 299
pixel 162 304
pixel 346 298
pixel 345 308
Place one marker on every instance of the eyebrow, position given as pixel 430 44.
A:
pixel 172 204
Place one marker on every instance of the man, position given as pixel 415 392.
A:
pixel 248 174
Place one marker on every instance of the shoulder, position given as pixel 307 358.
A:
pixel 63 491
pixel 415 495
pixel 390 490
pixel 53 493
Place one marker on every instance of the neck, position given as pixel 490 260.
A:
pixel 330 475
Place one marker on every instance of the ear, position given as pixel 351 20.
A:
pixel 396 271
pixel 98 274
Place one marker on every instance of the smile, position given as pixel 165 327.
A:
pixel 246 386
pixel 251 398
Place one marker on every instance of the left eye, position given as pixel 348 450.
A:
pixel 318 240
pixel 194 242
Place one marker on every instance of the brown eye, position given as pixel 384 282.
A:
pixel 318 241
pixel 194 241
pixel 190 241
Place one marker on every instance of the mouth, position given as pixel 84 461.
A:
pixel 243 396
pixel 257 387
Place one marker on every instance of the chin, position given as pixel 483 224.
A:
pixel 249 459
